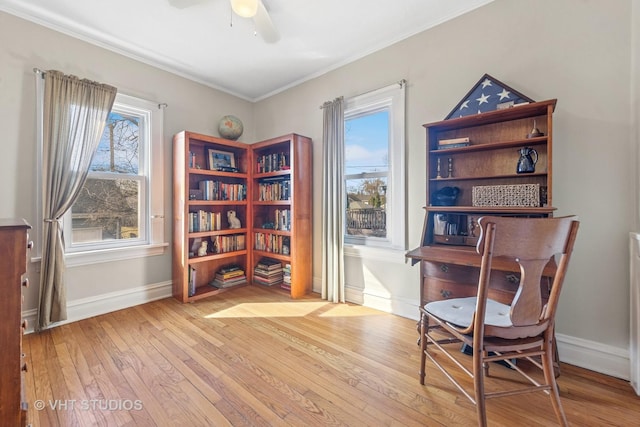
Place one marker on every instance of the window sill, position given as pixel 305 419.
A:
pixel 110 255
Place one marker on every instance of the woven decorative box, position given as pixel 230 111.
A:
pixel 525 195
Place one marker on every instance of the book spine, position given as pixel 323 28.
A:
pixel 460 144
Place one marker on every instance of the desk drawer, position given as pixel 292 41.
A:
pixel 443 281
pixel 435 289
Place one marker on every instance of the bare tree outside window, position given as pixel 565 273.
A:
pixel 108 205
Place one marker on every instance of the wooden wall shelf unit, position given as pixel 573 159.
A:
pixel 449 263
pixel 490 159
pixel 14 246
pixel 288 162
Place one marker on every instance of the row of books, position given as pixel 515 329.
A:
pixel 204 221
pixel 272 162
pixel 218 190
pixel 268 272
pixel 273 243
pixel 231 243
pixel 229 276
pixel 453 143
pixel 282 219
pixel 274 189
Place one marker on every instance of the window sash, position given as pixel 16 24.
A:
pixel 72 246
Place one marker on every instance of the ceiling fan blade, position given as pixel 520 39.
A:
pixel 264 25
pixel 183 4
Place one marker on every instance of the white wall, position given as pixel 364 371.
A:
pixel 577 51
pixel 191 106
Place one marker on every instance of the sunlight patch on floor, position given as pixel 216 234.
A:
pixel 292 309
pixel 269 309
pixel 347 310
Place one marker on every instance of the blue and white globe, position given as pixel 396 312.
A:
pixel 230 127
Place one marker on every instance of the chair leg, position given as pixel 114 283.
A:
pixel 424 322
pixel 478 385
pixel 550 378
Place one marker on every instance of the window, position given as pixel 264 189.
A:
pixel 374 168
pixel 120 213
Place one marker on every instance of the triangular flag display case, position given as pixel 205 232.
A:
pixel 489 94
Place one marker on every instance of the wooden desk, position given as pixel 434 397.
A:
pixel 453 273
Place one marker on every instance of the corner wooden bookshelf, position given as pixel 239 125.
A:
pixel 283 161
pixel 201 199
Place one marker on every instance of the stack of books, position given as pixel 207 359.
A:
pixel 286 277
pixel 268 272
pixel 453 143
pixel 228 276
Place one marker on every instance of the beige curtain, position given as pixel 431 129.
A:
pixel 333 196
pixel 74 116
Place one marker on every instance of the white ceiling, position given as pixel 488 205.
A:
pixel 199 43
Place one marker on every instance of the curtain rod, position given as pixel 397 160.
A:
pixel 161 105
pixel 402 82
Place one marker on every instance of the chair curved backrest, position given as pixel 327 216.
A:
pixel 532 243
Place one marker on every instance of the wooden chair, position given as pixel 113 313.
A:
pixel 499 332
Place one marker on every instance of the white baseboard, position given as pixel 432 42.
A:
pixel 105 303
pixel 402 307
pixel 594 356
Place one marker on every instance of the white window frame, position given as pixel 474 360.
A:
pixel 392 99
pixel 151 194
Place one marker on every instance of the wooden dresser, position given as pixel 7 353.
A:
pixel 14 245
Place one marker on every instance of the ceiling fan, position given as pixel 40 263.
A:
pixel 253 9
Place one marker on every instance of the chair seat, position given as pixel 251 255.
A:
pixel 459 312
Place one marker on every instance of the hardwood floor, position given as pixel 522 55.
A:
pixel 254 357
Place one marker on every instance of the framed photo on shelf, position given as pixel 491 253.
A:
pixel 222 161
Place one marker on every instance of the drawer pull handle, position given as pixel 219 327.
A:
pixel 444 268
pixel 24 367
pixel 30 244
pixel 445 293
pixel 512 278
pixel 25 324
pixel 25 282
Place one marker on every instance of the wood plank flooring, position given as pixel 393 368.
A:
pixel 254 357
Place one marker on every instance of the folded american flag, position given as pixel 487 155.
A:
pixel 488 94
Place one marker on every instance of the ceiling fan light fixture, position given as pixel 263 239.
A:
pixel 245 8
